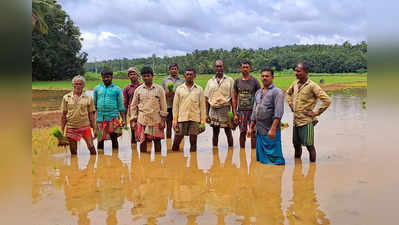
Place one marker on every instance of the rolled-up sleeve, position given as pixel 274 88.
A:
pixel 279 105
pixel 323 97
pixel 289 93
pixel 162 100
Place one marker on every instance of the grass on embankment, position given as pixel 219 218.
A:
pixel 281 81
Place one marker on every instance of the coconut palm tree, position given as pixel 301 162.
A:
pixel 39 10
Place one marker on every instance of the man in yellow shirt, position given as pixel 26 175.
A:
pixel 188 111
pixel 78 116
pixel 302 98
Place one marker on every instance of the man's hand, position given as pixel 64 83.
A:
pixel 236 120
pixel 133 124
pixel 95 132
pixel 202 128
pixel 271 133
pixel 207 119
pixel 291 107
pixel 162 124
pixel 175 126
pixel 249 133
pixel 310 113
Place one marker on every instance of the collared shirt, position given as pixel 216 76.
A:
pixel 189 104
pixel 128 93
pixel 267 108
pixel 304 99
pixel 148 105
pixel 108 102
pixel 219 93
pixel 77 112
pixel 176 83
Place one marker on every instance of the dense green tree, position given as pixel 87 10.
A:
pixel 322 59
pixel 56 54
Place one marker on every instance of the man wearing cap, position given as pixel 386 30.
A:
pixel 128 93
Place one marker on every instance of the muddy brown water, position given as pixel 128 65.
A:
pixel 214 185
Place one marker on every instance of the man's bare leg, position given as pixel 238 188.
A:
pixel 169 129
pixel 143 146
pixel 157 145
pixel 298 150
pixel 229 136
pixel 133 138
pixel 312 153
pixel 176 142
pixel 90 145
pixel 73 146
pixel 193 143
pixel 215 136
pixel 242 139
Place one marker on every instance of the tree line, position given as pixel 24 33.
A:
pixel 336 58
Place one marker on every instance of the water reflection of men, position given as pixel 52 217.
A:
pixel 80 189
pixel 267 113
pixel 78 116
pixel 218 93
pixel 304 205
pixel 112 177
pixel 302 98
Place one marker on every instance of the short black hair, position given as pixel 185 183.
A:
pixel 106 71
pixel 189 69
pixel 146 70
pixel 246 62
pixel 173 65
pixel 268 70
pixel 305 65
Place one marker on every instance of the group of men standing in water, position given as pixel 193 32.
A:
pixel 182 105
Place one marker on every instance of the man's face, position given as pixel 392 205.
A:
pixel 300 72
pixel 147 78
pixel 173 71
pixel 133 76
pixel 78 85
pixel 267 78
pixel 245 69
pixel 219 68
pixel 107 79
pixel 189 76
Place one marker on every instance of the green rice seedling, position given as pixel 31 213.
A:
pixel 170 86
pixel 200 126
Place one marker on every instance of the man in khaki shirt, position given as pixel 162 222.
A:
pixel 78 116
pixel 218 94
pixel 302 98
pixel 148 111
pixel 188 111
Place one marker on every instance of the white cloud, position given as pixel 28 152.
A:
pixel 120 28
pixel 185 34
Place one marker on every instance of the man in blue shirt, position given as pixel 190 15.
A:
pixel 108 101
pixel 267 112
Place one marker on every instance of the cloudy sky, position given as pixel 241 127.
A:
pixel 138 28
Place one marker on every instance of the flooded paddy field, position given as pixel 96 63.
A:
pixel 213 185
